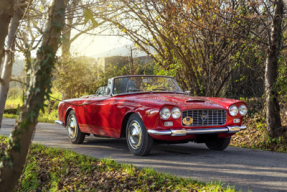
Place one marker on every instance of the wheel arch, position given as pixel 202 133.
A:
pixel 124 123
pixel 67 113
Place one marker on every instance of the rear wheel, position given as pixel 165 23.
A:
pixel 139 141
pixel 220 145
pixel 74 132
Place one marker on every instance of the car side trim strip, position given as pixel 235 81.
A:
pixel 183 132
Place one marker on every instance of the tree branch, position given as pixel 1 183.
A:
pixel 16 80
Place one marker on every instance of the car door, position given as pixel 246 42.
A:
pixel 98 112
pixel 95 113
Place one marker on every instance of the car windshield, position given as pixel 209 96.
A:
pixel 134 84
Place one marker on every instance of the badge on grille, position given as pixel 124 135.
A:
pixel 187 120
pixel 203 116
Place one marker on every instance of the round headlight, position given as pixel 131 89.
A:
pixel 165 113
pixel 242 110
pixel 233 110
pixel 175 112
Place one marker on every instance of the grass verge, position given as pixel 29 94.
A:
pixel 40 119
pixel 51 169
pixel 256 136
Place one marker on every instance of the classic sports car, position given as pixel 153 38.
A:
pixel 147 108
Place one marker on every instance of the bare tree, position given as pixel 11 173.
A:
pixel 39 89
pixel 9 56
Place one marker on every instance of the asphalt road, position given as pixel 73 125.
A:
pixel 256 170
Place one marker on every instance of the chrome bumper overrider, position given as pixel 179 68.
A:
pixel 183 132
pixel 59 122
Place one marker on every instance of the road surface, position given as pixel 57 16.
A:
pixel 245 169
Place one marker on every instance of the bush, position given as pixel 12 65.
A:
pixel 75 77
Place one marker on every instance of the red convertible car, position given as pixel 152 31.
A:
pixel 147 108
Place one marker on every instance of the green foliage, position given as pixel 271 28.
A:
pixel 280 85
pixel 88 15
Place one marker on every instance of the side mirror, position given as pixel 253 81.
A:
pixel 187 92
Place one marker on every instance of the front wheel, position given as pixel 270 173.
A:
pixel 139 141
pixel 74 132
pixel 220 145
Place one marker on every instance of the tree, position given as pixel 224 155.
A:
pixel 274 47
pixel 190 40
pixel 6 12
pixel 30 34
pixel 269 35
pixel 9 56
pixel 39 89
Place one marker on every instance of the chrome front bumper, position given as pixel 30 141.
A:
pixel 183 132
pixel 59 122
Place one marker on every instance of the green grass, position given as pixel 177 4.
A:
pixel 52 169
pixel 12 103
pixel 15 100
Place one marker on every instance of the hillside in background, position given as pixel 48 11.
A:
pixel 122 51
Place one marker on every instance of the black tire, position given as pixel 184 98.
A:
pixel 74 133
pixel 220 145
pixel 140 143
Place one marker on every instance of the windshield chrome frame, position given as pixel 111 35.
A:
pixel 124 76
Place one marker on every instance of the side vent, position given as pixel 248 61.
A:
pixel 195 101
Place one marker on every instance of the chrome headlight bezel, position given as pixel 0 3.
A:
pixel 165 113
pixel 176 112
pixel 233 110
pixel 242 110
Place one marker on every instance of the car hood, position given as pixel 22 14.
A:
pixel 185 101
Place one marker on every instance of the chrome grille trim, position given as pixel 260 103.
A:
pixel 215 117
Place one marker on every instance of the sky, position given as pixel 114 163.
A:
pixel 88 45
pixel 91 45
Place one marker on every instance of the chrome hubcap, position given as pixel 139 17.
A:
pixel 72 126
pixel 134 134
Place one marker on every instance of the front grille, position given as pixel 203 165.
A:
pixel 214 117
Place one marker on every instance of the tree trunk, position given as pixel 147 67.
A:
pixel 6 12
pixel 274 127
pixel 8 63
pixel 39 89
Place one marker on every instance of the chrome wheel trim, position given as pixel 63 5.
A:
pixel 72 126
pixel 135 134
